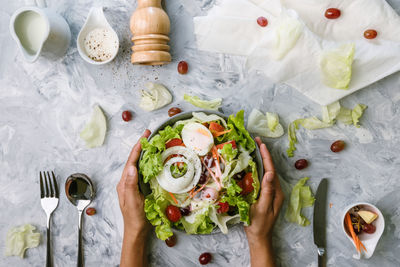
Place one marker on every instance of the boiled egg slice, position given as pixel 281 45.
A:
pixel 198 138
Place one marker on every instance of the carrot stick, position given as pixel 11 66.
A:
pixel 353 234
pixel 362 245
pixel 201 188
pixel 173 198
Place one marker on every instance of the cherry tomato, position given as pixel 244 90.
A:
pixel 223 207
pixel 171 241
pixel 332 13
pixel 247 184
pixel 173 213
pixel 370 34
pixel 262 21
pixel 215 127
pixel 173 111
pixel 90 211
pixel 174 142
pixel 338 146
pixel 126 115
pixel 233 143
pixel 205 258
pixel 183 67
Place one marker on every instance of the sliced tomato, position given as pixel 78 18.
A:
pixel 174 142
pixel 215 127
pixel 220 146
pixel 206 124
pixel 223 207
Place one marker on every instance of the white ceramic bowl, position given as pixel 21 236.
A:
pixel 95 19
pixel 369 240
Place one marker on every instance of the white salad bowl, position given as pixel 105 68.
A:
pixel 145 188
pixel 369 240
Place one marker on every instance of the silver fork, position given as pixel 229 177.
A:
pixel 49 195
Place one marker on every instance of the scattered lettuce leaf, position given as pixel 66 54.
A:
pixel 301 197
pixel 356 113
pixel 344 116
pixel 262 125
pixel 214 104
pixel 156 96
pixel 336 66
pixel 21 238
pixel 330 112
pixel 228 153
pixel 273 120
pixel 95 130
pixel 292 128
pixel 287 33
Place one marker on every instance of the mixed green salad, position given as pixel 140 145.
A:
pixel 201 174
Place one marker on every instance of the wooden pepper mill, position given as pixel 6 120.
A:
pixel 150 27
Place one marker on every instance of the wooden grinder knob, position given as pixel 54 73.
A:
pixel 150 27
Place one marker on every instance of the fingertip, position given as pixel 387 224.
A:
pixel 146 133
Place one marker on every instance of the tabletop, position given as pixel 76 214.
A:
pixel 44 106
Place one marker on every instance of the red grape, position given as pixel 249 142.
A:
pixel 369 228
pixel 90 211
pixel 205 258
pixel 262 21
pixel 173 213
pixel 223 207
pixel 203 178
pixel 173 111
pixel 171 241
pixel 247 184
pixel 338 146
pixel 301 164
pixel 185 211
pixel 183 67
pixel 370 34
pixel 332 13
pixel 126 115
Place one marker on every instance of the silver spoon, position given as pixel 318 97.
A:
pixel 80 191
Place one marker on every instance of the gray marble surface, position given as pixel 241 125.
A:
pixel 45 105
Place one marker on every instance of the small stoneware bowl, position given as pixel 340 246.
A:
pixel 369 240
pixel 145 188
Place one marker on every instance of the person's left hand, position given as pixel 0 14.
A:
pixel 131 201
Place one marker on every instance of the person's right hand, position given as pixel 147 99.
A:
pixel 265 211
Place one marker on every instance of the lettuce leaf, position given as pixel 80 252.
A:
pixel 356 114
pixel 264 125
pixel 214 104
pixel 330 114
pixel 228 153
pixel 221 220
pixel 156 97
pixel 301 197
pixel 234 198
pixel 238 132
pixel 151 164
pixel 20 238
pixel 336 66
pixel 202 224
pixel 95 130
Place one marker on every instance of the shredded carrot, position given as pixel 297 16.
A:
pixel 201 188
pixel 356 240
pixel 212 175
pixel 173 198
pixel 216 134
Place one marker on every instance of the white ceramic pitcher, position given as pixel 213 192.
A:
pixel 40 31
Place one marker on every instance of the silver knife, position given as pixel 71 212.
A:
pixel 319 223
